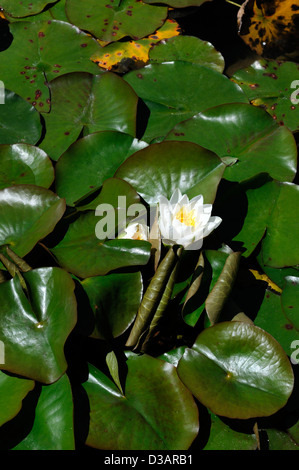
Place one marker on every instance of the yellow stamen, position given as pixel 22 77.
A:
pixel 186 217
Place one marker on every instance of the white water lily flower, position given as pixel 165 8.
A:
pixel 135 231
pixel 185 222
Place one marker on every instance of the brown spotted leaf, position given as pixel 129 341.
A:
pixel 270 27
pixel 128 55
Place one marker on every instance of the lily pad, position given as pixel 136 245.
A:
pixel 156 413
pixel 237 370
pixel 13 127
pixel 84 255
pixel 244 133
pixel 115 299
pixel 18 9
pixel 161 168
pixel 81 102
pixel 163 89
pixel 27 214
pixel 33 59
pixel 12 391
pixel 37 328
pixel 189 49
pixel 289 300
pixel 24 164
pixel 271 317
pixel 53 427
pixel 268 83
pixel 91 160
pixel 271 210
pixel 115 20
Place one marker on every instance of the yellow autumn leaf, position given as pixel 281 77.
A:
pixel 124 56
pixel 270 27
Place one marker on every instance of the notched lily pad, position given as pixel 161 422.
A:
pixel 27 214
pixel 33 59
pixel 19 120
pixel 131 421
pixel 114 20
pixel 37 328
pixel 18 9
pixel 24 164
pixel 237 370
pixel 273 85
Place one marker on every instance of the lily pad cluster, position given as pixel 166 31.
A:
pixel 119 342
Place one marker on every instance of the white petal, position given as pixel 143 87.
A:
pixel 213 223
pixel 176 196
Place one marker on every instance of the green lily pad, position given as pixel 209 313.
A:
pixel 27 214
pixel 115 20
pixel 33 59
pixel 83 102
pixel 272 318
pixel 37 328
pixel 223 437
pixel 53 422
pixel 13 127
pixel 84 255
pixel 176 91
pixel 271 211
pixel 272 85
pixel 18 9
pixel 24 164
pixel 114 299
pixel 244 133
pixel 91 160
pixel 280 440
pixel 289 300
pixel 156 413
pixel 237 370
pixel 189 49
pixel 111 191
pixel 12 391
pixel 161 168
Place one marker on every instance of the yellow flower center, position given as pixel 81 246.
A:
pixel 186 217
pixel 138 235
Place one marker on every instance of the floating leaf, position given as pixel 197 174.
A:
pixel 289 300
pixel 37 328
pixel 18 9
pixel 53 427
pixel 91 160
pixel 127 55
pixel 33 59
pixel 12 391
pixel 272 319
pixel 247 134
pixel 224 437
pixel 24 164
pixel 114 299
pixel 272 85
pixel 115 20
pixel 237 370
pixel 270 27
pixel 13 127
pixel 81 102
pixel 27 214
pixel 160 87
pixel 189 49
pixel 131 421
pixel 84 255
pixel 184 165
